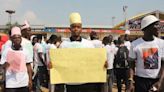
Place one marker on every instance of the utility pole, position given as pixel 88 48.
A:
pixel 113 20
pixel 125 16
pixel 10 12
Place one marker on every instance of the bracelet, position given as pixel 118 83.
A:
pixel 131 79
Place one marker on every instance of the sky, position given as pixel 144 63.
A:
pixel 56 12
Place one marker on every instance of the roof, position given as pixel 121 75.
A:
pixel 157 13
pixel 84 26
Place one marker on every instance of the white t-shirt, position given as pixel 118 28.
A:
pixel 44 46
pixel 38 49
pixel 76 44
pixel 49 46
pixel 97 43
pixel 26 44
pixel 111 51
pixel 127 44
pixel 148 56
pixel 17 77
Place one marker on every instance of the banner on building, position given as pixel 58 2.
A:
pixel 89 30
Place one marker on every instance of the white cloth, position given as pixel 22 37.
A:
pixel 5 46
pixel 44 45
pixel 97 43
pixel 16 79
pixel 76 44
pixel 127 44
pixel 38 49
pixel 26 44
pixel 111 51
pixel 148 56
pixel 49 46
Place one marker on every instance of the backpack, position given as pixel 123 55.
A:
pixel 121 58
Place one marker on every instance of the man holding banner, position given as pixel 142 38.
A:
pixel 77 63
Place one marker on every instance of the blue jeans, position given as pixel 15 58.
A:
pixel 110 79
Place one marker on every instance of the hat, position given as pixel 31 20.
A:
pixel 148 20
pixel 127 32
pixel 75 18
pixel 15 31
pixel 26 25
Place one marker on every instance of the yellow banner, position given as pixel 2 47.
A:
pixel 78 65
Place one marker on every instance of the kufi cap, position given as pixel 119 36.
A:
pixel 75 18
pixel 26 25
pixel 127 32
pixel 15 31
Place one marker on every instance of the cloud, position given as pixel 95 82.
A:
pixel 31 17
pixel 10 4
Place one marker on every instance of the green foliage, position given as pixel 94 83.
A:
pixel 9 26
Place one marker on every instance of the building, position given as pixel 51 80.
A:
pixel 65 32
pixel 134 23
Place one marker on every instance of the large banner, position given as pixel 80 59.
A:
pixel 77 65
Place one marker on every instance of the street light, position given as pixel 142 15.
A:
pixel 113 20
pixel 125 15
pixel 10 12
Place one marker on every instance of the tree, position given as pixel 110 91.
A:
pixel 9 26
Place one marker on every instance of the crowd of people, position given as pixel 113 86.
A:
pixel 138 64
